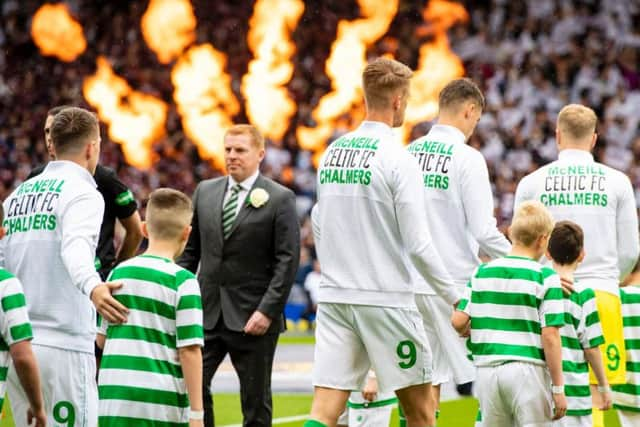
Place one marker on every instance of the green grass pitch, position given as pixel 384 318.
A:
pixel 455 413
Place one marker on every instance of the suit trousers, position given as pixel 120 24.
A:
pixel 252 359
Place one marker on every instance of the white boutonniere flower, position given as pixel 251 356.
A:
pixel 258 197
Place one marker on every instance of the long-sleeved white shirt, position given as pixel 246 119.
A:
pixel 53 224
pixel 458 203
pixel 370 218
pixel 598 198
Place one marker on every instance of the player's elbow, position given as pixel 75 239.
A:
pixel 22 355
pixel 550 336
pixel 190 352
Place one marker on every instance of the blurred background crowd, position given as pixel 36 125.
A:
pixel 530 58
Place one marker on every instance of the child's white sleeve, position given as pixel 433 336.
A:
pixel 189 330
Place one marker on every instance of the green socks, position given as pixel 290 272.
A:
pixel 313 423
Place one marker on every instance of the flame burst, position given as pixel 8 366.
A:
pixel 56 33
pixel 267 103
pixel 168 27
pixel 438 65
pixel 344 67
pixel 204 99
pixel 135 119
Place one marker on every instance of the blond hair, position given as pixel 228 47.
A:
pixel 577 121
pixel 245 129
pixel 382 79
pixel 168 213
pixel 531 221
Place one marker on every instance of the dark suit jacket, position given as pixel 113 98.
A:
pixel 255 267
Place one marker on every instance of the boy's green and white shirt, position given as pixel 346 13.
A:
pixel 14 322
pixel 509 301
pixel 141 378
pixel 626 397
pixel 582 330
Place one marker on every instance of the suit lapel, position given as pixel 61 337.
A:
pixel 246 206
pixel 218 201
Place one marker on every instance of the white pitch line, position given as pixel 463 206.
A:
pixel 275 421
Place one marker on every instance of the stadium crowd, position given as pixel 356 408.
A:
pixel 530 58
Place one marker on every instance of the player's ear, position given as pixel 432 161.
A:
pixel 186 232
pixel 581 256
pixel 145 230
pixel 594 138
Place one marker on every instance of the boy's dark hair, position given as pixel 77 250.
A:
pixel 566 242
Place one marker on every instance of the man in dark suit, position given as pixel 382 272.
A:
pixel 246 241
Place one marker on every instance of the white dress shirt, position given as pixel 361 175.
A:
pixel 246 185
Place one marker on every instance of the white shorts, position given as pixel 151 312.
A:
pixel 628 418
pixel 447 347
pixel 574 421
pixel 362 413
pixel 68 380
pixel 350 339
pixel 515 394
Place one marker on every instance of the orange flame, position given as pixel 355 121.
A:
pixel 135 119
pixel 56 33
pixel 268 105
pixel 344 67
pixel 438 65
pixel 204 99
pixel 168 27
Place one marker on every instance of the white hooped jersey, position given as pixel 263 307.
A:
pixel 370 216
pixel 598 198
pixel 458 202
pixel 53 224
pixel 626 397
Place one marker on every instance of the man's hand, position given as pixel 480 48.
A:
pixel 40 417
pixel 108 306
pixel 370 391
pixel 567 286
pixel 257 324
pixel 196 423
pixel 560 406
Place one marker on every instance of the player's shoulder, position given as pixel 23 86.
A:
pixel 152 268
pixel 614 173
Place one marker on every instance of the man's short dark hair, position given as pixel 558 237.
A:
pixel 566 242
pixel 55 110
pixel 458 91
pixel 72 129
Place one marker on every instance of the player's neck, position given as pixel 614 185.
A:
pixel 385 117
pixel 162 249
pixel 518 250
pixel 565 271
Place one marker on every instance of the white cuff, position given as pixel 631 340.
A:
pixel 196 415
pixel 557 389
